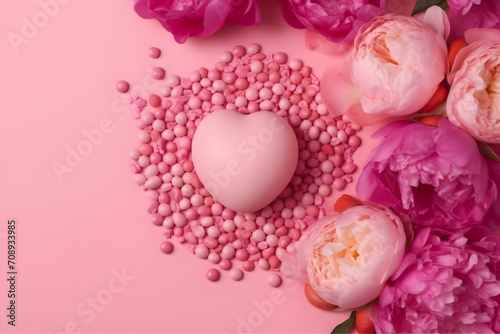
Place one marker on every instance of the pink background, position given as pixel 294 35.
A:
pixel 74 234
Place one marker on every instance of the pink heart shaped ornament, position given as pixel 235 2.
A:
pixel 244 161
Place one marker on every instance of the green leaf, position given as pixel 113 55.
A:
pixel 487 151
pixel 422 5
pixel 346 325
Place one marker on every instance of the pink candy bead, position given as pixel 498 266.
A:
pixel 167 247
pixel 274 262
pixel 228 252
pixel 214 258
pixel 225 264
pixel 201 251
pixel 274 280
pixel 295 64
pixel 213 75
pixel 339 184
pixel 154 52
pixel 122 86
pixel 218 99
pixel 257 66
pixel 236 274
pixel 354 141
pixel 242 254
pixel 263 264
pixel 280 57
pixel 253 48
pixel 239 51
pixel 248 266
pixel 213 275
pixel 158 73
pixel 251 94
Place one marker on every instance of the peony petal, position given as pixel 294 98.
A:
pixel 408 260
pixel 473 14
pixel 338 91
pixel 444 287
pixel 391 128
pixel 436 19
pixel 459 60
pixel 142 9
pixel 492 218
pixel 245 16
pixel 289 16
pixel 215 16
pixel 355 114
pixel 400 7
pixel 482 34
pixel 318 42
pixel 454 144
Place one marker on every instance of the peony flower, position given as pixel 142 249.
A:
pixel 474 99
pixel 492 218
pixel 320 40
pixel 466 14
pixel 347 257
pixel 395 67
pixel 447 283
pixel 434 174
pixel 198 18
pixel 338 20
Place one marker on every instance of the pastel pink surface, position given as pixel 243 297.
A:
pixel 244 161
pixel 79 231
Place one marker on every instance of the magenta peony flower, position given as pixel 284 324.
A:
pixel 447 283
pixel 338 20
pixel 198 18
pixel 434 174
pixel 466 14
pixel 492 218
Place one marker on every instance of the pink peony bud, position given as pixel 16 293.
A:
pixel 474 99
pixel 394 69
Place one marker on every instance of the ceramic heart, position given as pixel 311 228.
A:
pixel 244 161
